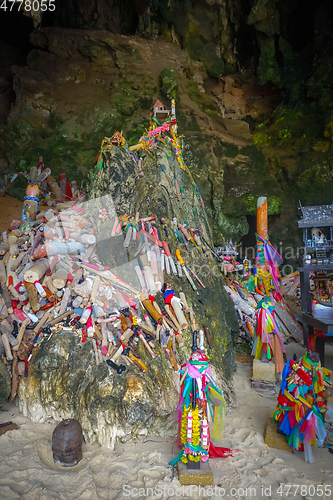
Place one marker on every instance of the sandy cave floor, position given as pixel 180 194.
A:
pixel 27 470
pixel 10 209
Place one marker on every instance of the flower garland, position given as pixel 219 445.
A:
pixel 183 431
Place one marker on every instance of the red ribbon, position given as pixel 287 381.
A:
pixel 168 298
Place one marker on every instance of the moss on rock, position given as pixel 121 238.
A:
pixel 169 84
pixel 268 69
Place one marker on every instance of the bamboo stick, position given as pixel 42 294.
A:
pixel 6 345
pixel 112 278
pixel 42 321
pixel 60 317
pixel 95 288
pixel 153 311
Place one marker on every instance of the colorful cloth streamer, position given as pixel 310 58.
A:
pixel 267 338
pixel 301 404
pixel 272 258
pixel 199 396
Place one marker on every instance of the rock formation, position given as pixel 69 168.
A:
pixel 64 381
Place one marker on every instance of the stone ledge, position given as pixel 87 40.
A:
pixel 263 371
pixel 273 439
pixel 199 477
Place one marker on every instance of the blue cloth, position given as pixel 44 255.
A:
pixel 33 198
pixel 285 426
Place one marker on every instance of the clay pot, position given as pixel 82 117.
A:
pixel 67 441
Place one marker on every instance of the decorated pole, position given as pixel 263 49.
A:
pixel 262 228
pixel 262 224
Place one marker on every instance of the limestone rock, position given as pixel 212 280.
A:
pixel 64 380
pixel 268 69
pixel 169 84
pixel 237 128
pixel 5 383
pixel 265 17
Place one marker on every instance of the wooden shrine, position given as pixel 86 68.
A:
pixel 317 225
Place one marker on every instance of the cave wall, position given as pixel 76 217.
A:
pixel 267 131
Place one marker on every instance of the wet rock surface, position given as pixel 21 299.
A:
pixel 81 85
pixel 5 383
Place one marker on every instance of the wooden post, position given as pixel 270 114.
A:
pixel 13 247
pixel 320 348
pixel 94 289
pixel 55 189
pixel 208 337
pixel 306 303
pixel 179 313
pixel 64 300
pixel 36 271
pixel 48 282
pixel 6 298
pixel 183 299
pixel 60 317
pixel 193 322
pixel 151 309
pixel 3 274
pixel 15 377
pixel 262 222
pixel 172 317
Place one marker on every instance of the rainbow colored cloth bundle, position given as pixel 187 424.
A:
pixel 200 402
pixel 302 403
pixel 267 337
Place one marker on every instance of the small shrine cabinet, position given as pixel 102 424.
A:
pixel 317 225
pixel 160 111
